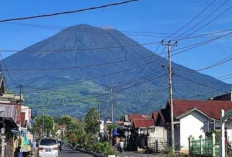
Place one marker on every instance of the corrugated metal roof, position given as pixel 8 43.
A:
pixel 11 111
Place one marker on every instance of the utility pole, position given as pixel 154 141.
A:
pixel 20 92
pixel 112 113
pixel 112 104
pixel 43 124
pixel 99 111
pixel 169 44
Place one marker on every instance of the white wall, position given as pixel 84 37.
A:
pixel 158 133
pixel 27 112
pixel 191 124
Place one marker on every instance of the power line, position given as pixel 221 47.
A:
pixel 226 78
pixel 198 44
pixel 147 71
pixel 225 75
pixel 156 92
pixel 195 17
pixel 94 78
pixel 208 22
pixel 68 12
pixel 84 49
pixel 191 47
pixel 205 85
pixel 220 62
pixel 84 66
pixel 209 15
pixel 111 47
pixel 12 80
pixel 139 34
pixel 105 94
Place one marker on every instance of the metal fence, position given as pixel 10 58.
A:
pixel 203 147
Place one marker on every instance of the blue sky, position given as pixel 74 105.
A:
pixel 153 16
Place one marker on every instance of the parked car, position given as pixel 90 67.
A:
pixel 48 147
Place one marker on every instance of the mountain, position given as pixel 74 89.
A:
pixel 73 70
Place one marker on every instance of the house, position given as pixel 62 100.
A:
pixel 139 131
pixel 190 119
pixel 224 97
pixel 61 128
pixel 26 125
pixel 10 112
pixel 14 119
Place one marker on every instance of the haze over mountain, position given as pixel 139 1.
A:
pixel 74 69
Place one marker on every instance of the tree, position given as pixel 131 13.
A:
pixel 91 122
pixel 67 120
pixel 46 122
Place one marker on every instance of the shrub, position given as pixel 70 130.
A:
pixel 104 148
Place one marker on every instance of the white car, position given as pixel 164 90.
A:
pixel 48 147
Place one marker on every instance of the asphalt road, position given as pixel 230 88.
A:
pixel 68 152
pixel 132 154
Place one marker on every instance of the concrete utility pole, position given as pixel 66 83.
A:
pixel 43 124
pixel 20 92
pixel 112 113
pixel 169 44
pixel 99 111
pixel 222 144
pixel 112 104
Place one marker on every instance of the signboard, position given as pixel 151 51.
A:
pixel 212 125
pixel 206 126
pixel 209 126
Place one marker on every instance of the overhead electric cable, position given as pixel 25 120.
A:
pixel 83 66
pixel 154 95
pixel 105 94
pixel 207 23
pixel 12 80
pixel 195 17
pixel 84 49
pixel 139 34
pixel 198 44
pixel 209 15
pixel 202 84
pixel 68 12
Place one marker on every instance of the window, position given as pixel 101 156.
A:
pixel 47 142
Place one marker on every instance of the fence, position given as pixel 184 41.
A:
pixel 204 147
pixel 157 146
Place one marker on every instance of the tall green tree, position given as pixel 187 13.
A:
pixel 91 122
pixel 46 122
pixel 67 120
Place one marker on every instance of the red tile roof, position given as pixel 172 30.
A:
pixel 143 123
pixel 211 108
pixel 132 117
pixel 155 115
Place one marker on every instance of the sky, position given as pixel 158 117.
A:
pixel 158 18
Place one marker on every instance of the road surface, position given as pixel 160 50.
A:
pixel 132 154
pixel 68 152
